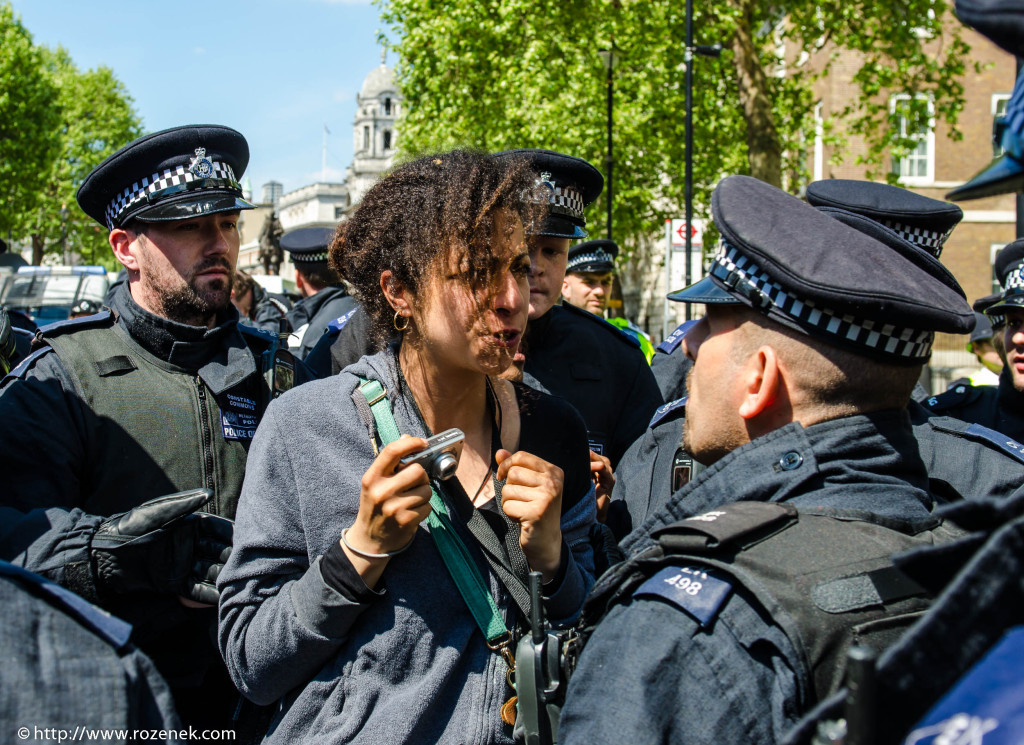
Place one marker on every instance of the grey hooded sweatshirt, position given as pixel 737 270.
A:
pixel 406 664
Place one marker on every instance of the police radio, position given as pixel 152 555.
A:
pixel 544 661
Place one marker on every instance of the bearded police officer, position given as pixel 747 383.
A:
pixel 570 352
pixel 159 394
pixel 734 622
pixel 324 297
pixel 962 459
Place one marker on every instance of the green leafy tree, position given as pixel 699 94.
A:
pixel 29 123
pixel 526 73
pixel 97 117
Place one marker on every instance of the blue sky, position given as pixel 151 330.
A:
pixel 276 70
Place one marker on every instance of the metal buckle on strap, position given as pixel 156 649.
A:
pixel 503 646
pixel 380 396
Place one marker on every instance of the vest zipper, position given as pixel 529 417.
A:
pixel 204 423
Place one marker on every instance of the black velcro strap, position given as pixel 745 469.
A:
pixel 733 525
pixel 115 365
pixel 892 584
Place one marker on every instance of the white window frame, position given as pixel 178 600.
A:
pixel 819 144
pixel 928 138
pixel 999 101
pixel 993 251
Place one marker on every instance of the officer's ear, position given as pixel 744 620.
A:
pixel 762 383
pixel 123 244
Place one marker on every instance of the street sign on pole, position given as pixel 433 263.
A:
pixel 679 233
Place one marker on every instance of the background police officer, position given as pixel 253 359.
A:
pixel 567 351
pixel 796 397
pixel 160 394
pixel 998 407
pixel 324 297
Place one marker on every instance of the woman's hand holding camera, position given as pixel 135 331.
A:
pixel 532 496
pixel 392 504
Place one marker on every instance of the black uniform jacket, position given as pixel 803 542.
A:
pixel 598 369
pixel 997 407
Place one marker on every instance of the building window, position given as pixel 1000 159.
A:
pixel 366 138
pixel 339 212
pixel 387 139
pixel 918 165
pixel 819 145
pixel 999 101
pixel 387 106
pixel 994 250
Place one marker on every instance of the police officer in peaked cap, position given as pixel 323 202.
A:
pixel 324 297
pixel 158 394
pixel 803 365
pixel 925 222
pixel 568 351
pixel 1001 407
pixel 589 275
pixel 962 460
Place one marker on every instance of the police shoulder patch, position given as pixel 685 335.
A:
pixel 1006 444
pixel 25 365
pixel 672 341
pixel 339 323
pixel 112 629
pixel 958 395
pixel 260 336
pixel 698 591
pixel 662 412
pixel 102 318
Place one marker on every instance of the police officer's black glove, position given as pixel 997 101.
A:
pixel 161 546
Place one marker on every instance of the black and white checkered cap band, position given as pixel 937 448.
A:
pixel 136 192
pixel 745 278
pixel 1014 280
pixel 930 240
pixel 567 200
pixel 309 258
pixel 600 256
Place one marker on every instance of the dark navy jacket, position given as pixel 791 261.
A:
pixel 997 407
pixel 963 461
pixel 652 674
pixel 598 369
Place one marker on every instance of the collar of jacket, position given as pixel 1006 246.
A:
pixel 866 462
pixel 1009 397
pixel 219 355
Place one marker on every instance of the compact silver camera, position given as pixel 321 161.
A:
pixel 441 456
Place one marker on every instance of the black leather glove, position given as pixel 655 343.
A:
pixel 161 546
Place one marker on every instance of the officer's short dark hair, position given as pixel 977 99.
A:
pixel 319 275
pixel 834 378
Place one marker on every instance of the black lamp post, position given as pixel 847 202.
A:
pixel 713 50
pixel 608 55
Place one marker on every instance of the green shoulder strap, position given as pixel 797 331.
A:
pixel 453 551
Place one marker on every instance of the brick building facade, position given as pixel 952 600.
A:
pixel 939 165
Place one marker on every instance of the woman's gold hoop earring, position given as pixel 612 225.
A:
pixel 404 326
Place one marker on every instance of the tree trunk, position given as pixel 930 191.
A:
pixel 764 149
pixel 38 244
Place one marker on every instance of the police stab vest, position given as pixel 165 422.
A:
pixel 825 577
pixel 153 428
